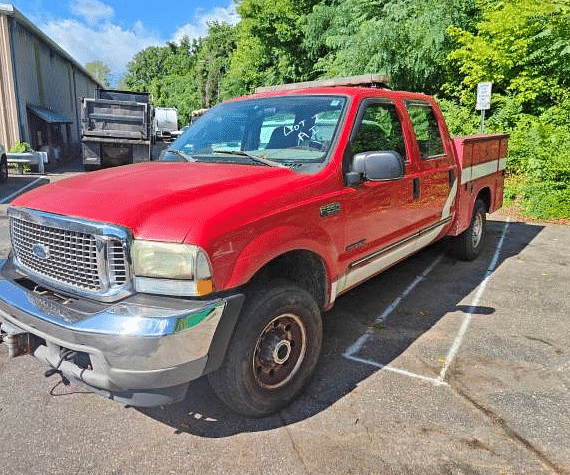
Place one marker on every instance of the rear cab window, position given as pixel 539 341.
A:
pixel 426 130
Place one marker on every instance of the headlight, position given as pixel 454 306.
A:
pixel 171 269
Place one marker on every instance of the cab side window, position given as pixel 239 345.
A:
pixel 427 131
pixel 380 130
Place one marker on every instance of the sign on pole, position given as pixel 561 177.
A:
pixel 484 95
pixel 483 100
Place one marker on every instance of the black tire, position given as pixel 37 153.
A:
pixel 272 353
pixel 467 246
pixel 3 169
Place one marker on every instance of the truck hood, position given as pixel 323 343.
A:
pixel 162 200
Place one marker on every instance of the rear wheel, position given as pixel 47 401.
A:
pixel 467 246
pixel 272 353
pixel 3 169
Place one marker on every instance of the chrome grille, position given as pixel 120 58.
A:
pixel 83 257
pixel 117 264
pixel 72 257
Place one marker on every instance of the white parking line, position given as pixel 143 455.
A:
pixel 358 344
pixel 21 190
pixel 434 381
pixel 472 308
pixel 352 350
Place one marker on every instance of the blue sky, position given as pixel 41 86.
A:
pixel 113 31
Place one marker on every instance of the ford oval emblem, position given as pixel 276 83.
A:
pixel 41 251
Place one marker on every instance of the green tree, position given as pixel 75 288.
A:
pixel 188 75
pixel 213 60
pixel 523 47
pixel 100 71
pixel 269 45
pixel 157 62
pixel 405 39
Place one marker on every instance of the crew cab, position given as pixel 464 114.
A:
pixel 221 258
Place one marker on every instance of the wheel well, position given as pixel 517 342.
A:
pixel 305 268
pixel 485 196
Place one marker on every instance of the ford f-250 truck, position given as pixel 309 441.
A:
pixel 221 259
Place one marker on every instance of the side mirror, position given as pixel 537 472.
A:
pixel 375 166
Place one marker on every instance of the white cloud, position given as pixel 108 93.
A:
pixel 199 27
pixel 100 39
pixel 92 10
pixel 109 43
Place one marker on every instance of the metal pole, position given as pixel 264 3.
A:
pixel 482 125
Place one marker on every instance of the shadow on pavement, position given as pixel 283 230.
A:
pixel 336 376
pixel 18 184
pixel 72 165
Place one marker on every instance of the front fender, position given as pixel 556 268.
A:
pixel 278 241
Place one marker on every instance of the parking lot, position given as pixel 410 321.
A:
pixel 435 366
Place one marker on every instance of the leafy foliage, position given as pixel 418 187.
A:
pixel 21 147
pixel 522 47
pixel 213 60
pixel 100 71
pixel 443 48
pixel 187 76
pixel 270 45
pixel 406 39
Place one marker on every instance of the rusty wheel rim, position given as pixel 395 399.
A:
pixel 279 351
pixel 477 232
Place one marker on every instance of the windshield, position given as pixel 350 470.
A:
pixel 279 130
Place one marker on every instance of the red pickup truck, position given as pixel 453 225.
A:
pixel 221 258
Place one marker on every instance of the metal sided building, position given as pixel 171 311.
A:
pixel 40 88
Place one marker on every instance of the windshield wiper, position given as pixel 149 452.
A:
pixel 255 158
pixel 180 153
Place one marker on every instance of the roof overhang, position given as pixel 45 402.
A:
pixel 48 116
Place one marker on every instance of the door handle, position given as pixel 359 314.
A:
pixel 416 188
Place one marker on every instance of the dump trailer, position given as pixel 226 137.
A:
pixel 116 128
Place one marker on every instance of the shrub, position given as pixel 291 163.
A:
pixel 21 147
pixel 538 159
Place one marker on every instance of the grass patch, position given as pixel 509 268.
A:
pixel 538 199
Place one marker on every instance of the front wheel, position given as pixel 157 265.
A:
pixel 467 246
pixel 272 353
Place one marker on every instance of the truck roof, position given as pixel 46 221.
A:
pixel 364 80
pixel 363 85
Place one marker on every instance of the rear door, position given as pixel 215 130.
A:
pixel 435 185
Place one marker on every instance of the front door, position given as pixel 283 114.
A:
pixel 383 216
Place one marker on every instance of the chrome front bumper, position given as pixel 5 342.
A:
pixel 142 350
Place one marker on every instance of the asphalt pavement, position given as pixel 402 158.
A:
pixel 434 367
